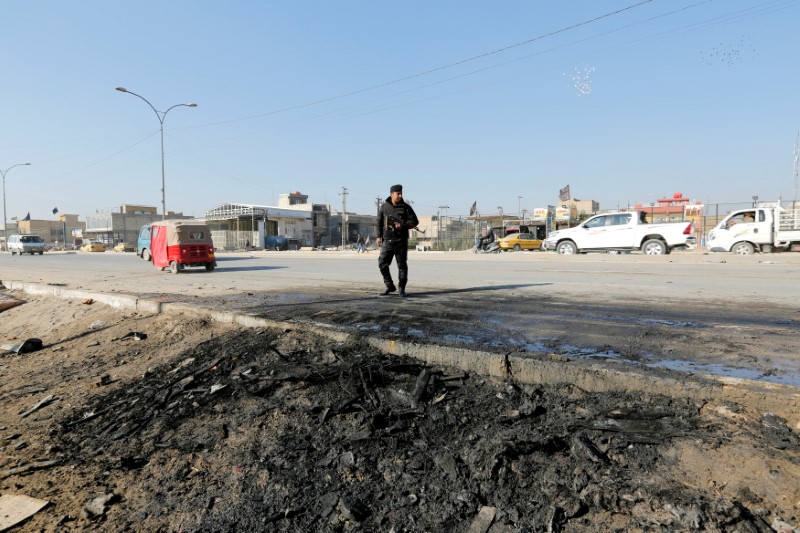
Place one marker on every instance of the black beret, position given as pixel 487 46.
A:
pixel 396 188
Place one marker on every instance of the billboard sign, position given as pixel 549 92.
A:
pixel 539 214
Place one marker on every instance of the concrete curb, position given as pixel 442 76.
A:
pixel 117 301
pixel 537 369
pixel 520 367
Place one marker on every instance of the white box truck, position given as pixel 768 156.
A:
pixel 765 228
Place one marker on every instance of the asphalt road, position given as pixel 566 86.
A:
pixel 724 314
pixel 692 276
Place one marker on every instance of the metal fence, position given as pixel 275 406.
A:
pixel 459 233
pixel 449 234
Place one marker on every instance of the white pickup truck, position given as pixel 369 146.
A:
pixel 765 228
pixel 622 232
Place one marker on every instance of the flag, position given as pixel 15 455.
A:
pixel 27 217
pixel 563 194
pixel 474 209
pixel 55 210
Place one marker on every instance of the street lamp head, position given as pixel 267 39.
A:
pixel 26 164
pixel 191 104
pixel 122 89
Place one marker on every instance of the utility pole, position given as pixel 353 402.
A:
pixel 439 228
pixel 442 226
pixel 796 164
pixel 378 230
pixel 344 218
pixel 519 206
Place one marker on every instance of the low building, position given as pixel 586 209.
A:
pixel 583 209
pixel 293 223
pixel 122 226
pixel 364 225
pixel 66 228
pixel 675 209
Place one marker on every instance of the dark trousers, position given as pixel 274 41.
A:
pixel 394 250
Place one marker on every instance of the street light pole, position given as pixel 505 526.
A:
pixel 5 228
pixel 161 115
pixel 442 226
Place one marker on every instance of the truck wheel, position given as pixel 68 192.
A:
pixel 146 254
pixel 173 267
pixel 517 247
pixel 654 247
pixel 567 248
pixel 209 266
pixel 743 248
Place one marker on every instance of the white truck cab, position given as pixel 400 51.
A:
pixel 764 228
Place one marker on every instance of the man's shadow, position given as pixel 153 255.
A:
pixel 467 290
pixel 411 295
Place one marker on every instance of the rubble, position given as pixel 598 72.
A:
pixel 17 508
pixel 44 402
pixel 96 507
pixel 366 441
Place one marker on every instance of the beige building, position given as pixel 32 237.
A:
pixel 52 231
pixel 122 226
pixel 582 208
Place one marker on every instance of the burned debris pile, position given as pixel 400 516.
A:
pixel 284 431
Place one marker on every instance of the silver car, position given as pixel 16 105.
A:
pixel 25 244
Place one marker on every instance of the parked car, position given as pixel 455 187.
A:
pixel 520 241
pixel 93 247
pixel 143 243
pixel 622 232
pixel 25 244
pixel 123 247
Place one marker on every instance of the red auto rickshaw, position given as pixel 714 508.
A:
pixel 178 244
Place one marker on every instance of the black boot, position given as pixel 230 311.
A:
pixel 390 288
pixel 402 291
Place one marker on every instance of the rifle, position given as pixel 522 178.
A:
pixel 393 218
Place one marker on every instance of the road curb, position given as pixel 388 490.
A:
pixel 520 367
pixel 536 369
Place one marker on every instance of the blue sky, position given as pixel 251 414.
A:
pixel 460 101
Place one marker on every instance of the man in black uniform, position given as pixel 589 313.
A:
pixel 395 218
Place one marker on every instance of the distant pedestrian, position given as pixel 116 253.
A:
pixel 395 218
pixel 360 244
pixel 487 238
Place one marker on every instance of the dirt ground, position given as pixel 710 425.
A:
pixel 206 427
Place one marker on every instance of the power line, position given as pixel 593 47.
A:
pixel 350 112
pixel 431 71
pixel 354 112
